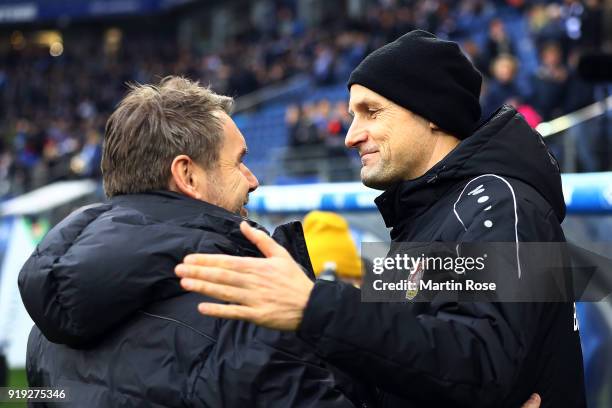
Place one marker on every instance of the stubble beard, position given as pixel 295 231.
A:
pixel 376 177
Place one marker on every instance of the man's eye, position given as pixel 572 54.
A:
pixel 373 112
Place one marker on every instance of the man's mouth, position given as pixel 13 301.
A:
pixel 367 155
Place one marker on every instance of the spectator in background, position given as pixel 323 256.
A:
pixel 320 114
pixel 28 148
pixel 323 66
pixel 338 124
pixel 591 25
pixel 87 162
pixel 318 124
pixel 579 93
pixel 474 13
pixel 302 129
pixel 537 18
pixel 6 170
pixel 293 115
pixel 550 82
pixel 332 251
pixel 242 80
pixel 547 24
pixel 305 141
pixel 502 87
pixel 498 42
pixel 352 47
pixel 316 132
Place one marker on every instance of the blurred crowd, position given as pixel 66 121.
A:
pixel 54 108
pixel 318 123
pixel 557 34
pixel 560 34
pixel 316 132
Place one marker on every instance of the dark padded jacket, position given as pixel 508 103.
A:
pixel 114 326
pixel 461 353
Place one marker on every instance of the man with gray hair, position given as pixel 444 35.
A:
pixel 113 326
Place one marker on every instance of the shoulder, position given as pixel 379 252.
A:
pixel 70 228
pixel 500 207
pixel 486 198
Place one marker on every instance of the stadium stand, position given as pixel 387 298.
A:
pixel 60 78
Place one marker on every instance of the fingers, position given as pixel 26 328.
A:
pixel 533 402
pixel 263 241
pixel 236 312
pixel 221 261
pixel 213 275
pixel 217 291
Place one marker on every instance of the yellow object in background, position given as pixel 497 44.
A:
pixel 329 241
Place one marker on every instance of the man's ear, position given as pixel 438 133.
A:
pixel 186 177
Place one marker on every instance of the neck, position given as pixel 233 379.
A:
pixel 445 144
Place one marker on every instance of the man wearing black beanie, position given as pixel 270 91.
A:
pixel 445 179
pixel 427 76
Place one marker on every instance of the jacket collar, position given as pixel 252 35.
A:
pixel 178 209
pixel 407 200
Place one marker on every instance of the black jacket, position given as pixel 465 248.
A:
pixel 461 353
pixel 114 326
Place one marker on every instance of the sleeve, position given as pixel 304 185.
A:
pixel 454 353
pixel 255 367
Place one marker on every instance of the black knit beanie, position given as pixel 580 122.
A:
pixel 427 76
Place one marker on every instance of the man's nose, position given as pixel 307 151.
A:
pixel 355 135
pixel 253 182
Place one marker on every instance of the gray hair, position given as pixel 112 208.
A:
pixel 155 123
